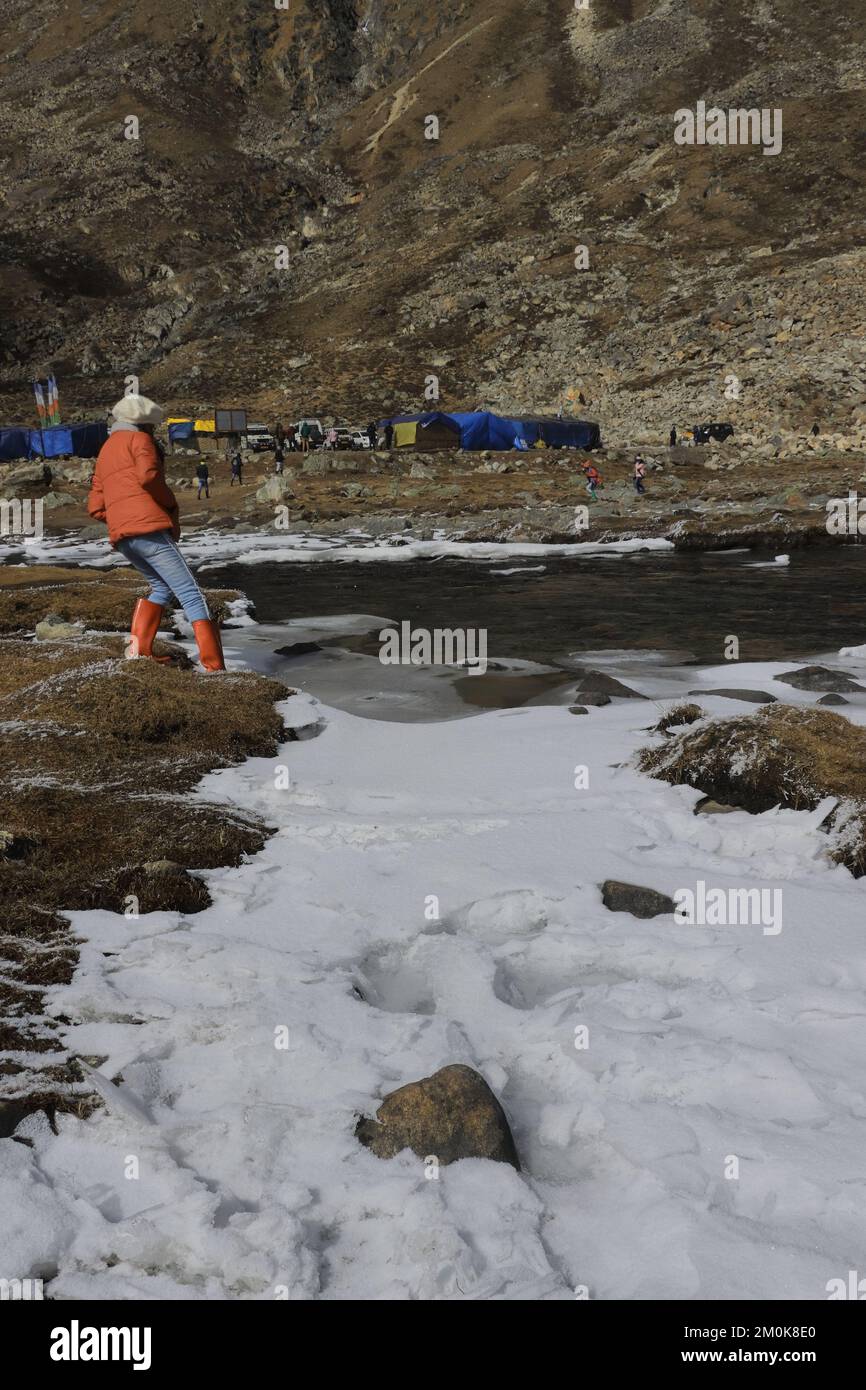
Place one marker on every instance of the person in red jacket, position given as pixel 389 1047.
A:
pixel 129 493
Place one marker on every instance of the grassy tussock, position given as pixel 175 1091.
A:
pixel 781 755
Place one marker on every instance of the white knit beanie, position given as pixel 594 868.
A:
pixel 137 410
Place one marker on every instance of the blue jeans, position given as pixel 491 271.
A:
pixel 157 557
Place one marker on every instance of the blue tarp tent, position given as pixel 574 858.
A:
pixel 481 429
pixel 184 429
pixel 14 444
pixel 84 441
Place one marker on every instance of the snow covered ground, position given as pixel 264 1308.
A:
pixel 206 548
pixel 226 1166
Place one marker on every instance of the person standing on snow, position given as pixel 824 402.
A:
pixel 129 493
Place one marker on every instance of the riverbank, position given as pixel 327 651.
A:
pixel 697 498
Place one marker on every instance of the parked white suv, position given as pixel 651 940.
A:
pixel 259 438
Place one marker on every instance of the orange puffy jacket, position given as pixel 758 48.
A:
pixel 128 491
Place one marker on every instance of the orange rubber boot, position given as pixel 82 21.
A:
pixel 146 617
pixel 210 648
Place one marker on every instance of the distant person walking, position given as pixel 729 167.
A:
pixel 202 472
pixel 237 470
pixel 331 439
pixel 291 440
pixel 371 434
pixel 306 431
pixel 279 433
pixel 129 493
pixel 279 458
pixel 389 435
pixel 673 439
pixel 593 480
pixel 639 475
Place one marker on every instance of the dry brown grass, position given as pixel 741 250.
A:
pixel 101 599
pixel 677 716
pixel 97 755
pixel 782 755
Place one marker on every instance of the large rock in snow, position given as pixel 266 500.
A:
pixel 452 1114
pixel 630 897
pixel 751 697
pixel 819 678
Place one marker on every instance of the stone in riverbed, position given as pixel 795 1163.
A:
pixel 752 697
pixel 579 709
pixel 450 1115
pixel 631 897
pixel 832 700
pixel 597 683
pixel 819 678
pixel 297 649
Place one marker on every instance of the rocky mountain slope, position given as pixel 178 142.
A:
pixel 406 258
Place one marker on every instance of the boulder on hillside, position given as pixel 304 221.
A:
pixel 22 474
pixel 450 1115
pixel 276 488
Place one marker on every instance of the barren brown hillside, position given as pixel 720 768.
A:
pixel 407 257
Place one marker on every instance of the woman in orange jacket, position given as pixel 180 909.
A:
pixel 129 493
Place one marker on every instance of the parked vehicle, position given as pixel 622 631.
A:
pixel 259 439
pixel 360 439
pixel 704 433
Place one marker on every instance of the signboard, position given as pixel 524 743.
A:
pixel 230 422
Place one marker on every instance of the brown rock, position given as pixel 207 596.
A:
pixel 452 1114
pixel 631 897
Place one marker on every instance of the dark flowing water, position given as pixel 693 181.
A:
pixel 684 605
